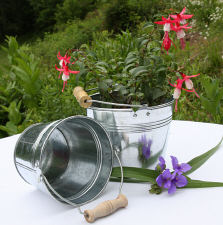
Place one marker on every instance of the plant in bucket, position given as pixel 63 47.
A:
pixel 130 75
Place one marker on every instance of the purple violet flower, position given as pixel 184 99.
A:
pixel 162 163
pixel 171 181
pixel 179 168
pixel 164 179
pixel 146 146
pixel 177 181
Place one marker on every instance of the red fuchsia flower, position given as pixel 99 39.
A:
pixel 166 42
pixel 166 39
pixel 188 82
pixel 66 73
pixel 177 91
pixel 166 23
pixel 181 17
pixel 63 60
pixel 180 33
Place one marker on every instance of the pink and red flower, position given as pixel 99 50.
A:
pixel 64 62
pixel 65 59
pixel 181 17
pixel 179 86
pixel 175 25
pixel 66 73
pixel 166 23
pixel 189 83
pixel 180 33
pixel 167 42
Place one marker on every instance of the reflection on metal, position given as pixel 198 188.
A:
pixel 126 127
pixel 73 157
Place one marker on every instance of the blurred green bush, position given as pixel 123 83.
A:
pixel 127 14
pixel 73 9
pixel 75 33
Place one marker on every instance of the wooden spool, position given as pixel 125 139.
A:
pixel 106 208
pixel 82 97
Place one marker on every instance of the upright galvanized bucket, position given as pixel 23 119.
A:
pixel 69 159
pixel 139 136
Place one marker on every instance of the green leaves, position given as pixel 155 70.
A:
pixel 14 116
pixel 138 71
pixel 135 174
pixel 201 184
pixel 132 60
pixel 198 161
pixel 20 88
pixel 140 175
pixel 214 93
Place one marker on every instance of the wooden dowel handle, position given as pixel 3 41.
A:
pixel 82 97
pixel 106 208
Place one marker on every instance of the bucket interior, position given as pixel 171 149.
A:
pixel 77 159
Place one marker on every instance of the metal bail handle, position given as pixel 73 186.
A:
pixel 86 101
pixel 103 209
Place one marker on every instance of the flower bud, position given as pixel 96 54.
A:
pixel 180 34
pixel 176 93
pixel 166 27
pixel 189 84
pixel 65 77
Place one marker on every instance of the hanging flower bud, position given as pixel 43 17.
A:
pixel 167 42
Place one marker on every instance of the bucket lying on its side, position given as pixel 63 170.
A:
pixel 70 159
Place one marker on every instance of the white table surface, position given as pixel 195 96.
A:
pixel 23 204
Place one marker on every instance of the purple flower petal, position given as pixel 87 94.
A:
pixel 180 181
pixel 147 154
pixel 172 189
pixel 159 180
pixel 174 162
pixel 144 149
pixel 146 146
pixel 185 167
pixel 143 140
pixel 166 174
pixel 167 184
pixel 174 174
pixel 162 163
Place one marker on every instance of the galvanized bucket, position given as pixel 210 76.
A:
pixel 139 136
pixel 69 159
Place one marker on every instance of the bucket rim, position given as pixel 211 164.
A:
pixel 169 103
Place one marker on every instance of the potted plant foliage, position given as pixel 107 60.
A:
pixel 132 77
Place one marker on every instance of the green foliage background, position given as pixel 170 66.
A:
pixel 29 89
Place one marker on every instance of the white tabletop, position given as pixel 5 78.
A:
pixel 22 204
